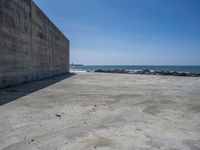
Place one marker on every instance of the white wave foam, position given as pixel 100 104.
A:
pixel 78 71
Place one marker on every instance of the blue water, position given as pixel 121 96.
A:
pixel 192 69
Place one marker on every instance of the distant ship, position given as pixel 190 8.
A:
pixel 76 65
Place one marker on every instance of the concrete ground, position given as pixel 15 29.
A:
pixel 91 111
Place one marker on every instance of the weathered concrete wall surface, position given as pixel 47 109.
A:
pixel 31 47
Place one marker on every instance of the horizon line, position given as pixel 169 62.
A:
pixel 134 65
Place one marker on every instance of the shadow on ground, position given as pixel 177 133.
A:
pixel 10 94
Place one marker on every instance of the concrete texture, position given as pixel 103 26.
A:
pixel 92 111
pixel 31 46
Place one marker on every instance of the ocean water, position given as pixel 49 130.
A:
pixel 192 69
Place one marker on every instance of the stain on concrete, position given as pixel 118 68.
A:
pixel 192 144
pixel 125 96
pixel 151 109
pixel 112 102
pixel 100 142
pixel 147 102
pixel 196 108
pixel 167 102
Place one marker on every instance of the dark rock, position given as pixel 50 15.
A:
pixel 111 71
pixel 182 74
pixel 143 72
pixel 162 73
pixel 99 70
pixel 168 73
pixel 119 71
pixel 58 115
pixel 148 72
pixel 192 74
pixel 174 73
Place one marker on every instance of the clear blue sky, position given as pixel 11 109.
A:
pixel 129 32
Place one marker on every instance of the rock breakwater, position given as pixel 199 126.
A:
pixel 149 72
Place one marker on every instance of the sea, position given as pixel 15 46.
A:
pixel 135 68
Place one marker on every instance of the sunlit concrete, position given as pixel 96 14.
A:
pixel 103 111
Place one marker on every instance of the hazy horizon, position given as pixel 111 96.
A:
pixel 77 63
pixel 129 32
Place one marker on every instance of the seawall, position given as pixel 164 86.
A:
pixel 31 46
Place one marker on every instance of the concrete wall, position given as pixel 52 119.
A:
pixel 31 47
